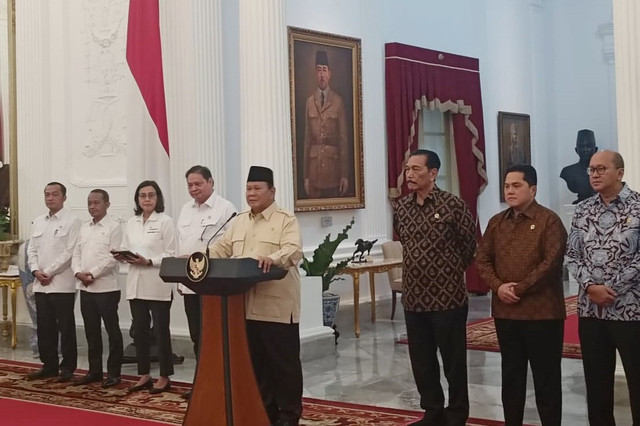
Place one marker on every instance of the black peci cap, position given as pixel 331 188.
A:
pixel 321 58
pixel 586 135
pixel 260 174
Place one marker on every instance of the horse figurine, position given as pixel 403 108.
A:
pixel 362 247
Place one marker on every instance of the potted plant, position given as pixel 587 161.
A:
pixel 321 266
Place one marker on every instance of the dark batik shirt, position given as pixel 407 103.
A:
pixel 438 243
pixel 527 249
pixel 604 248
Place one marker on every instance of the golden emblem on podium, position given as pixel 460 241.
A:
pixel 197 267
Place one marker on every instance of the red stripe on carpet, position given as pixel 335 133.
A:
pixel 16 412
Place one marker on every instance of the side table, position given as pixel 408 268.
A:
pixel 372 267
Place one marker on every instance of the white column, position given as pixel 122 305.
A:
pixel 210 135
pixel 605 31
pixel 265 135
pixel 265 132
pixel 192 62
pixel 627 64
pixel 33 113
pixel 377 220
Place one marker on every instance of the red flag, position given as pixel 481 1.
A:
pixel 144 56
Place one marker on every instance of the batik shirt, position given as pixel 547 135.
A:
pixel 604 248
pixel 438 243
pixel 528 249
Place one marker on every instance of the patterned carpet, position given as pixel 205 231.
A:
pixel 169 408
pixel 481 335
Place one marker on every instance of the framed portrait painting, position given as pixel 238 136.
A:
pixel 326 120
pixel 514 141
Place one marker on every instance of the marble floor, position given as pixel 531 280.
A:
pixel 374 370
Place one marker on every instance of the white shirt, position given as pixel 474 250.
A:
pixel 154 239
pixel 93 255
pixel 199 222
pixel 51 248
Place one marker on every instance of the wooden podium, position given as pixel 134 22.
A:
pixel 225 392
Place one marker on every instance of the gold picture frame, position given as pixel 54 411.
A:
pixel 8 121
pixel 326 135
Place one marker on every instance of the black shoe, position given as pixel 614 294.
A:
pixel 154 390
pixel 41 374
pixel 146 385
pixel 110 381
pixel 186 395
pixel 88 378
pixel 65 376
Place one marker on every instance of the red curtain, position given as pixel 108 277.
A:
pixel 417 78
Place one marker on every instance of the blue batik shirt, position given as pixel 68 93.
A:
pixel 604 248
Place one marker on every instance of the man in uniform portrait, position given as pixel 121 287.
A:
pixel 325 167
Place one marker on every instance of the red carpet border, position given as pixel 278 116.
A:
pixel 16 412
pixel 169 407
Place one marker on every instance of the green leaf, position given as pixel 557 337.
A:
pixel 320 263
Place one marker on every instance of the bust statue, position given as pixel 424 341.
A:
pixel 576 174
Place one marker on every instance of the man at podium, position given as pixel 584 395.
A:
pixel 272 308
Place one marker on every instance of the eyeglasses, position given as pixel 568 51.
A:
pixel 596 170
pixel 150 195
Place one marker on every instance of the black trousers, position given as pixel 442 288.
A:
pixel 599 340
pixel 446 331
pixel 97 307
pixel 192 309
pixel 275 355
pixel 539 343
pixel 142 311
pixel 55 315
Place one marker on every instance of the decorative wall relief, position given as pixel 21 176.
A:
pixel 106 128
pixel 98 83
pixel 105 41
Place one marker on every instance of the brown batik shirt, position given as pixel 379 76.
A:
pixel 438 243
pixel 527 249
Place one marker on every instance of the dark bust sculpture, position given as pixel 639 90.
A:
pixel 576 174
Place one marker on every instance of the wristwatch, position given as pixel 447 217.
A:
pixel 149 263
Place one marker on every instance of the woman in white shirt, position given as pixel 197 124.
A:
pixel 150 234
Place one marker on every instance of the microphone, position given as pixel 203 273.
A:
pixel 217 232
